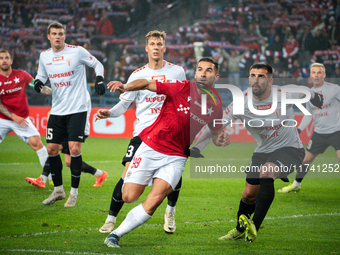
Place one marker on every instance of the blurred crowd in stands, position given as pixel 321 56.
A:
pixel 288 34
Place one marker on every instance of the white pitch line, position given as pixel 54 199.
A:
pixel 54 252
pixel 115 161
pixel 179 223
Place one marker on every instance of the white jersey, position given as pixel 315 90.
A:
pixel 149 104
pixel 66 71
pixel 327 119
pixel 273 131
pixel 89 107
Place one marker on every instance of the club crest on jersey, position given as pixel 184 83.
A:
pixel 68 61
pixel 58 58
pixel 181 108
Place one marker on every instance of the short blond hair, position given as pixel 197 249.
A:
pixel 318 65
pixel 155 33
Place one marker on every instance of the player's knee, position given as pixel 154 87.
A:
pixel 129 197
pixel 35 143
pixel 249 197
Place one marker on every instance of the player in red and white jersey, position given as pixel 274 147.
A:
pixel 279 148
pixel 64 65
pixel 160 159
pixel 14 106
pixel 148 106
pixel 326 120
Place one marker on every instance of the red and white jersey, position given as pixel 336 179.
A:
pixel 326 119
pixel 66 71
pixel 180 118
pixel 13 93
pixel 273 131
pixel 148 103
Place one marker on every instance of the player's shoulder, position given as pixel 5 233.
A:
pixel 46 51
pixel 69 46
pixel 331 85
pixel 19 72
pixel 173 66
pixel 139 70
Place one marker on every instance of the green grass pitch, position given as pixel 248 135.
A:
pixel 307 222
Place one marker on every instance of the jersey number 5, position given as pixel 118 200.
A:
pixel 49 134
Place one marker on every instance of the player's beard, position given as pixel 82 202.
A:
pixel 5 69
pixel 259 91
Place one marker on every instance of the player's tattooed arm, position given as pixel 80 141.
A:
pixel 46 90
pixel 19 120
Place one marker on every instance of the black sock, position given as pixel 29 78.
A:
pixel 173 196
pixel 117 201
pixel 56 167
pixel 47 169
pixel 301 173
pixel 87 168
pixel 246 209
pixel 76 162
pixel 264 199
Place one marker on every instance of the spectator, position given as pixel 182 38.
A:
pixel 306 46
pixel 104 25
pixel 334 32
pixel 290 47
pixel 234 61
pixel 276 45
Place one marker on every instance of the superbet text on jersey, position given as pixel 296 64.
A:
pixel 13 93
pixel 66 72
pixel 149 103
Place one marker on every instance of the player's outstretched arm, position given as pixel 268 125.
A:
pixel 139 84
pixel 17 119
pixel 102 114
pixel 220 138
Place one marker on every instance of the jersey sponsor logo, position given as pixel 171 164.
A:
pixel 109 126
pixel 61 75
pixel 10 90
pixel 158 78
pixel 181 108
pixel 58 58
pixel 155 99
pixel 62 84
pixel 264 107
pixel 48 64
pixel 7 82
pixel 198 119
pixel 155 110
pixel 0 83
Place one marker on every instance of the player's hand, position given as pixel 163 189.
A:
pixel 99 85
pixel 317 100
pixel 19 120
pixel 193 152
pixel 102 114
pixel 116 85
pixel 223 139
pixel 38 85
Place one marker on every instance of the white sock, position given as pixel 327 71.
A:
pixel 59 188
pixel 43 178
pixel 49 177
pixel 170 209
pixel 110 218
pixel 136 217
pixel 296 184
pixel 42 155
pixel 74 191
pixel 98 173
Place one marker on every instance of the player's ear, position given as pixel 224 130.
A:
pixel 164 50
pixel 146 48
pixel 217 76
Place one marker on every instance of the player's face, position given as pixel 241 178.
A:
pixel 205 73
pixel 57 38
pixel 260 82
pixel 155 48
pixel 318 76
pixel 5 61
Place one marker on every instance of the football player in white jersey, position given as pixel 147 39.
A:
pixel 279 146
pixel 148 106
pixel 326 120
pixel 64 66
pixel 85 168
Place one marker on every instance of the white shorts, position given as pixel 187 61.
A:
pixel 148 164
pixel 24 133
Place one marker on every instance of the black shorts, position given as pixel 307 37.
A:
pixel 69 127
pixel 288 159
pixel 65 148
pixel 319 143
pixel 134 144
